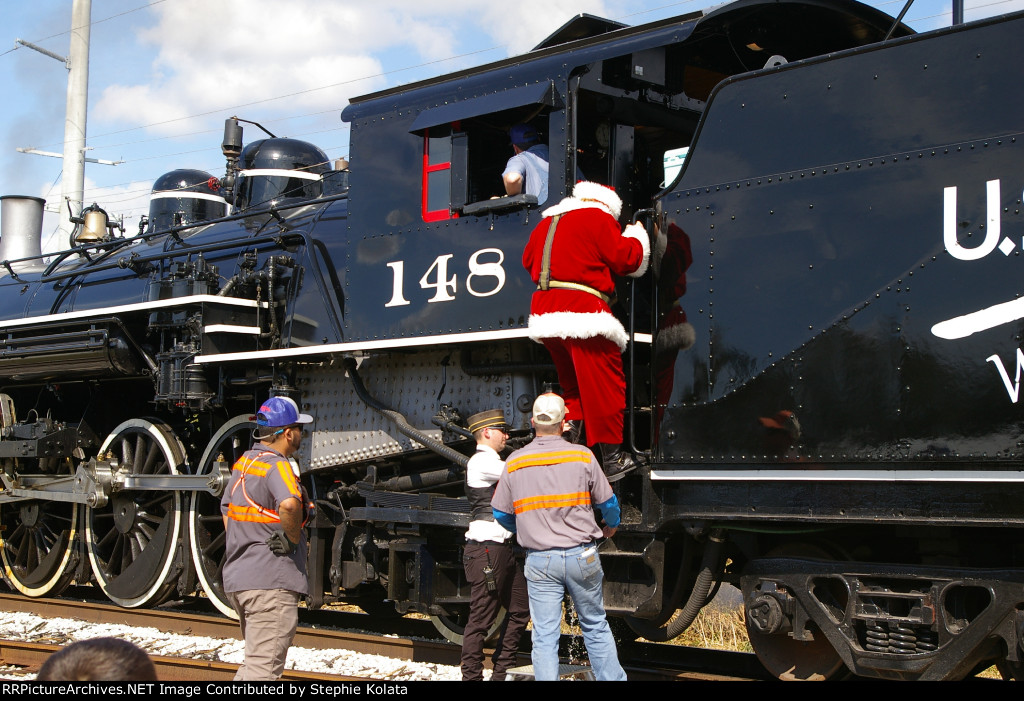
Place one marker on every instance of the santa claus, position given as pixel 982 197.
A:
pixel 573 256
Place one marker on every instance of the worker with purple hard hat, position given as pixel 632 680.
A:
pixel 265 508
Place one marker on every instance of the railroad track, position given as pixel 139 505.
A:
pixel 30 656
pixel 190 623
pixel 326 630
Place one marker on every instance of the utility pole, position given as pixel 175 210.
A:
pixel 72 187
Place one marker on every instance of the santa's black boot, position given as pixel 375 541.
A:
pixel 615 463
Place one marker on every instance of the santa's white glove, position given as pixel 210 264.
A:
pixel 637 231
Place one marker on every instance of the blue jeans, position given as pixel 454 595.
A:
pixel 549 574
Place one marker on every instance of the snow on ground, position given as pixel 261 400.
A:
pixel 59 631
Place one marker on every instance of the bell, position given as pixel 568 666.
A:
pixel 94 227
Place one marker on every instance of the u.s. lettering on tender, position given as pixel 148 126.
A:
pixel 191 689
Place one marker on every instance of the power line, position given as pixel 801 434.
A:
pixel 91 24
pixel 347 82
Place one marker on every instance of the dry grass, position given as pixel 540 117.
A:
pixel 718 629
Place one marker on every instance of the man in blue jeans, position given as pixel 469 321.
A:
pixel 546 496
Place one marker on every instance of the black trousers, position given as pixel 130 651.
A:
pixel 509 592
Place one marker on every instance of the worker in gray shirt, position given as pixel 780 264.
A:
pixel 546 495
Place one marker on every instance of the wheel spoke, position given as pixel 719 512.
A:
pixel 18 536
pixel 152 463
pixel 138 542
pixel 144 532
pixel 38 544
pixel 217 543
pixel 127 452
pixel 156 502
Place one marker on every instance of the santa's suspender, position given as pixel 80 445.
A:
pixel 545 282
pixel 545 261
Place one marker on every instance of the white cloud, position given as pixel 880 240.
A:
pixel 221 56
pixel 528 22
pixel 215 56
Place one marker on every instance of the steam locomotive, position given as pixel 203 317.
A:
pixel 823 372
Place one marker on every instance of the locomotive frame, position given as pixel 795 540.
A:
pixel 842 442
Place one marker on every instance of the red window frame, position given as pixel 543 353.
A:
pixel 428 169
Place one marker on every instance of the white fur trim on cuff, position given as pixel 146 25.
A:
pixel 578 325
pixel 638 232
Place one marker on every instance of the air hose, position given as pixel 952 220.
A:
pixel 401 423
pixel 706 577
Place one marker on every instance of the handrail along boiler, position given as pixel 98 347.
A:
pixel 824 366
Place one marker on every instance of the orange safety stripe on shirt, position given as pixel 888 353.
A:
pixel 256 469
pixel 249 513
pixel 284 469
pixel 541 459
pixel 551 501
pixel 256 512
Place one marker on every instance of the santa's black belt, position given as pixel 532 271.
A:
pixel 582 288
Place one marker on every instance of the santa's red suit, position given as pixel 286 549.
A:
pixel 572 317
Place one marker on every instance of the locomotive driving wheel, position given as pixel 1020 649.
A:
pixel 132 540
pixel 205 525
pixel 38 546
pixel 789 659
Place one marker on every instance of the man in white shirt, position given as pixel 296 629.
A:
pixel 527 171
pixel 491 568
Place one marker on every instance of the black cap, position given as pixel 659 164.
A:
pixel 493 418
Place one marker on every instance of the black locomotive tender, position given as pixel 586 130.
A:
pixel 843 440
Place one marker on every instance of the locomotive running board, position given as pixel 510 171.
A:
pixel 174 302
pixel 383 344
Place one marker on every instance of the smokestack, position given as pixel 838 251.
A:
pixel 21 230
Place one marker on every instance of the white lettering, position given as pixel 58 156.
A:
pixel 478 269
pixel 949 224
pixel 398 271
pixel 1012 388
pixel 445 287
pixel 443 281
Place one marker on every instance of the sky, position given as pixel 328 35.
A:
pixel 165 74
